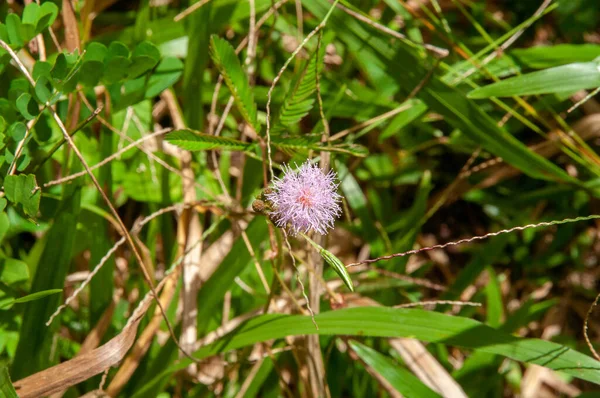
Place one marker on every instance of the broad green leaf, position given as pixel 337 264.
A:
pixel 400 378
pixel 145 57
pixel 92 67
pixel 413 323
pixel 13 271
pixel 6 388
pixel 196 141
pixel 335 263
pixel 46 16
pixel 572 77
pixel 31 13
pixel 17 131
pixel 21 189
pixel 225 59
pixel 116 63
pixel 166 74
pixel 92 71
pixel 42 69
pixel 14 30
pixel 43 89
pixel 27 106
pixel 199 26
pixel 542 57
pixel 60 69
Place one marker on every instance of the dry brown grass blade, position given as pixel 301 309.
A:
pixel 81 368
pixel 191 234
pixel 143 342
pixel 427 368
pixel 94 338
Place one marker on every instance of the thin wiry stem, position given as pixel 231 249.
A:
pixel 283 68
pixel 136 228
pixel 189 10
pixel 438 302
pixel 476 238
pixel 299 279
pixel 585 327
pixel 440 52
pixel 108 159
pixel 583 100
pixel 504 46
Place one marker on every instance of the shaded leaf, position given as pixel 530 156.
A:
pixel 196 141
pixel 225 59
pixel 337 265
pixel 27 106
pixel 21 189
pixel 300 98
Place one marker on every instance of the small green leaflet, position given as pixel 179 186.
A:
pixel 334 262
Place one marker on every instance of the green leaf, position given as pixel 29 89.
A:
pixel 31 13
pixel 144 58
pixel 291 145
pixel 299 100
pixel 17 131
pixel 4 223
pixel 337 265
pixel 400 378
pixel 47 14
pixel 21 189
pixel 572 77
pixel 116 63
pixel 37 295
pixel 27 106
pixel 13 28
pixel 41 68
pixel 225 59
pixel 412 323
pixel 542 57
pixel 43 89
pixel 196 141
pixel 13 271
pixel 92 67
pixel 60 69
pixel 6 388
pixel 164 76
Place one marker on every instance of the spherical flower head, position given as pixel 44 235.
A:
pixel 305 199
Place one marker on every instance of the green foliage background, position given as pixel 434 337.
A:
pixel 444 120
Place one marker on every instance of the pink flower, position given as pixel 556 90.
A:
pixel 305 199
